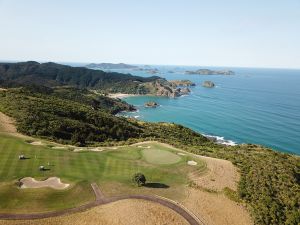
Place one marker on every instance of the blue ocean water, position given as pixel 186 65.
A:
pixel 253 106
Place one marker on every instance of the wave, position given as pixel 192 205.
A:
pixel 220 140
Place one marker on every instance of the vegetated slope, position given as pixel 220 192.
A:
pixel 70 121
pixel 52 74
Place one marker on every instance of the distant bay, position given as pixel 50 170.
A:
pixel 259 106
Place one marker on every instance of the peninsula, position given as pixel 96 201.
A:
pixel 57 75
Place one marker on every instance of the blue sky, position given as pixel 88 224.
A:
pixel 243 33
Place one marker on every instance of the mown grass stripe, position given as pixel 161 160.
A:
pixel 9 157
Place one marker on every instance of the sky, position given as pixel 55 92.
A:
pixel 243 33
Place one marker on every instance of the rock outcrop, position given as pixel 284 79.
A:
pixel 151 104
pixel 182 83
pixel 208 84
pixel 161 87
pixel 184 91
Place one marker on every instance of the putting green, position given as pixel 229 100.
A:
pixel 158 156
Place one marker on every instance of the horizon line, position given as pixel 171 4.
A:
pixel 191 65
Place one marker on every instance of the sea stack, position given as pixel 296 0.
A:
pixel 208 84
pixel 151 104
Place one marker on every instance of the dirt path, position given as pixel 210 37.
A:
pixel 101 200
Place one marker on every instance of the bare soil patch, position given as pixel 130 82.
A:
pixel 216 209
pixel 125 212
pixel 52 182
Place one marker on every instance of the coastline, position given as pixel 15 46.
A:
pixel 120 95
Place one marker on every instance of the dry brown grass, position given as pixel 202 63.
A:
pixel 216 209
pixel 7 124
pixel 221 173
pixel 125 212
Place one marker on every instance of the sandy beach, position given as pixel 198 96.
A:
pixel 120 95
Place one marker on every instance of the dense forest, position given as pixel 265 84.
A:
pixel 270 180
pixel 52 74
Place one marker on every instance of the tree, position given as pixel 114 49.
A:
pixel 139 179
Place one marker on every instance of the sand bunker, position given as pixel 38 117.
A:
pixel 98 149
pixel 140 146
pixel 36 143
pixel 59 147
pixel 52 182
pixel 192 163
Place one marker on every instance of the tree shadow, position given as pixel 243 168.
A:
pixel 156 185
pixel 25 158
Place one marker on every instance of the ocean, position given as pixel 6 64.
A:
pixel 259 106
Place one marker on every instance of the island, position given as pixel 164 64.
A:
pixel 148 70
pixel 151 104
pixel 208 84
pixel 182 83
pixel 209 72
pixel 110 66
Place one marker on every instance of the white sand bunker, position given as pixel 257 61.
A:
pixel 140 146
pixel 192 163
pixel 36 143
pixel 78 149
pixel 98 149
pixel 59 147
pixel 179 153
pixel 52 182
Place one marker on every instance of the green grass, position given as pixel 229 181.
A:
pixel 111 169
pixel 159 156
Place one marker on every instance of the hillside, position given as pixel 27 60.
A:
pixel 53 75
